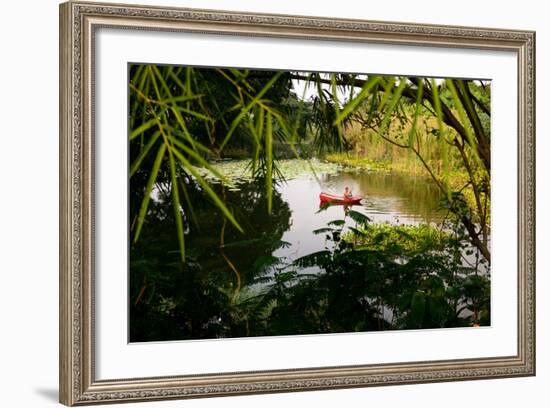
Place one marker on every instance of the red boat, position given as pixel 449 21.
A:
pixel 334 199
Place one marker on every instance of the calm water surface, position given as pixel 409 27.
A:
pixel 391 198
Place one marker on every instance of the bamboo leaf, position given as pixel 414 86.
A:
pixel 200 160
pixel 148 189
pixel 154 81
pixel 178 81
pixel 187 88
pixel 461 112
pixel 373 108
pixel 444 148
pixel 184 129
pixel 142 128
pixel 181 136
pixel 162 81
pixel 257 132
pixel 417 107
pixel 138 78
pixel 191 112
pixel 336 103
pixel 465 121
pixel 241 76
pixel 189 204
pixel 239 89
pixel 437 105
pixel 247 108
pixel 177 206
pixel 388 87
pixel 176 109
pixel 359 218
pixel 144 90
pixel 183 98
pixel 323 230
pixel 269 161
pixel 392 104
pixel 354 103
pixel 137 162
pixel 442 137
pixel 207 188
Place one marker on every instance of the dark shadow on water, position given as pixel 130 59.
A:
pixel 51 394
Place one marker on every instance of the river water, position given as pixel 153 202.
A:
pixel 390 198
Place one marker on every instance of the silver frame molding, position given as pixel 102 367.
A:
pixel 78 22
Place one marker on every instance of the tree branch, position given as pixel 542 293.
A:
pixel 483 145
pixel 480 104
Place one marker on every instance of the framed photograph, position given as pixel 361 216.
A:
pixel 256 203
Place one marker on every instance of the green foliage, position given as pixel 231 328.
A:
pixel 199 113
pixel 410 273
pixel 184 121
pixel 410 240
pixel 369 277
pixel 359 218
pixel 183 112
pixel 432 127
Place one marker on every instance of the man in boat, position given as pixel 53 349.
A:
pixel 347 193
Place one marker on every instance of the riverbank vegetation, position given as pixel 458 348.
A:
pixel 367 277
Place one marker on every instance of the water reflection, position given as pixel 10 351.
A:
pixel 241 253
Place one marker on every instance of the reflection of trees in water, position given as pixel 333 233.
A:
pixel 171 300
pixel 261 238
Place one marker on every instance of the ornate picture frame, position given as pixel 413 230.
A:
pixel 78 24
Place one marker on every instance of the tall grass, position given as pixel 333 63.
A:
pixel 370 150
